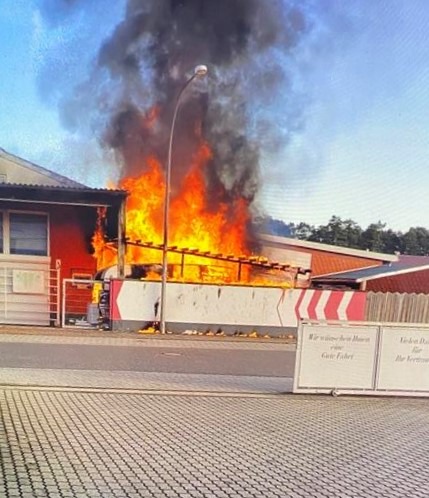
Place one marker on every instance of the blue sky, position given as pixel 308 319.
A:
pixel 362 151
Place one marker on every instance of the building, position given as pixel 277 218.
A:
pixel 323 259
pixel 408 274
pixel 47 222
pixel 342 268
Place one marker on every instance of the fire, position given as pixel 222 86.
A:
pixel 216 230
pixel 192 224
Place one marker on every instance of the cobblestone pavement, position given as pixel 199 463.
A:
pixel 104 444
pixel 84 434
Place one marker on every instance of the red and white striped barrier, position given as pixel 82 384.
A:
pixel 134 303
pixel 330 305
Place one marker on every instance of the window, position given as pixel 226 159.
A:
pixel 28 234
pixel 24 233
pixel 1 232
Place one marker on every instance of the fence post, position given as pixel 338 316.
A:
pixel 58 277
pixel 63 304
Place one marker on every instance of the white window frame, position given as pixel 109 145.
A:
pixel 6 232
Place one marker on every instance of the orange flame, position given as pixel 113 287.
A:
pixel 191 223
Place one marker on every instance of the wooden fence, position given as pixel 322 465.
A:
pixel 397 307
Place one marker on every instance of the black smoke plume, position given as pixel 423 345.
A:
pixel 142 65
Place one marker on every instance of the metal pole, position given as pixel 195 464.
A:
pixel 121 239
pixel 199 71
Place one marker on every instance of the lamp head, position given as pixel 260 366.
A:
pixel 200 70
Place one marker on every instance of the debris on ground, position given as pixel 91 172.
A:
pixel 254 334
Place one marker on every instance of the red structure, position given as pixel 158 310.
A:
pixel 47 222
pixel 408 274
pixel 323 259
pixel 342 268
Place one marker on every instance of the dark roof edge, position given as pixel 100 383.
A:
pixel 402 271
pixel 394 273
pixel 61 188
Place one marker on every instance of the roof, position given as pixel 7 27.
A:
pixel 317 246
pixel 84 196
pixel 39 185
pixel 15 167
pixel 405 264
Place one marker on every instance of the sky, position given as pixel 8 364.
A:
pixel 360 152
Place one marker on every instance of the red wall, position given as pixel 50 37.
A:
pixel 70 231
pixel 324 262
pixel 415 282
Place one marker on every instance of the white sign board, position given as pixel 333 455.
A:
pixel 362 358
pixel 404 359
pixel 28 282
pixel 335 357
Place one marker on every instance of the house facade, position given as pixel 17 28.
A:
pixel 47 222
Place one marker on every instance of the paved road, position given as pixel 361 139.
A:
pixel 146 363
pixel 94 433
pixel 138 358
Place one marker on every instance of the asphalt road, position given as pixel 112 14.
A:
pixel 272 363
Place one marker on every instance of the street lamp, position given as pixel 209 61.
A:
pixel 199 72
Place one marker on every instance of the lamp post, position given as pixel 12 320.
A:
pixel 199 72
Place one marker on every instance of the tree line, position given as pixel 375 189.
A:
pixel 347 233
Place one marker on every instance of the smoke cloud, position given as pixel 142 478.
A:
pixel 141 66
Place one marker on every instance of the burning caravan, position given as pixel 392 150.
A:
pixel 131 270
pixel 101 286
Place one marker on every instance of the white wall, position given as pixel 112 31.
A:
pixel 24 290
pixel 230 305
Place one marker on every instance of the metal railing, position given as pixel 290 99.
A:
pixel 78 308
pixel 29 295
